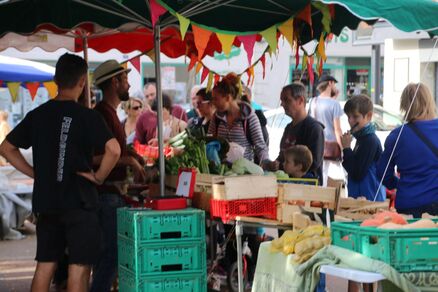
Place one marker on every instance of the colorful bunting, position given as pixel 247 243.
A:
pixel 321 48
pixel 287 29
pixel 306 15
pixel 13 90
pixel 310 70
pixel 297 57
pixel 156 11
pixel 248 42
pixel 270 36
pixel 326 16
pixel 204 74
pixel 226 42
pixel 136 63
pixel 33 88
pixel 210 81
pixel 332 10
pixel 183 24
pixel 201 36
pixel 304 63
pixel 263 60
pixel 151 55
pixel 198 67
pixel 193 60
pixel 217 77
pixel 52 88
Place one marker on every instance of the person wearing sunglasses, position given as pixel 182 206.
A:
pixel 205 108
pixel 133 108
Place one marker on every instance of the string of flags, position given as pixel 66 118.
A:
pixel 32 87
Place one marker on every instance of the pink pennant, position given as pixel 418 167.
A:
pixel 136 63
pixel 310 70
pixel 156 11
pixel 248 43
pixel 297 57
pixel 262 60
pixel 204 75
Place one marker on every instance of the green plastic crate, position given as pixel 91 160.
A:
pixel 163 257
pixel 177 282
pixel 145 225
pixel 406 250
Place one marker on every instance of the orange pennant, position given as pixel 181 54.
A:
pixel 33 88
pixel 52 88
pixel 217 77
pixel 198 67
pixel 201 36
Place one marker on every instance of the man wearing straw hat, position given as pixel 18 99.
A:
pixel 63 136
pixel 112 78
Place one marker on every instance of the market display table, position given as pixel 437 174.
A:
pixel 242 222
pixel 366 278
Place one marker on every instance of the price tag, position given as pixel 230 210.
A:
pixel 186 182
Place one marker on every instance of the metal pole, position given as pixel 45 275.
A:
pixel 160 106
pixel 376 75
pixel 87 82
pixel 239 233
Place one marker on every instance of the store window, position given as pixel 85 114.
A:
pixel 357 82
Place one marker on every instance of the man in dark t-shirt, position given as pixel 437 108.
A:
pixel 112 79
pixel 303 130
pixel 64 137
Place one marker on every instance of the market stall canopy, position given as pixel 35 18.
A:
pixel 19 70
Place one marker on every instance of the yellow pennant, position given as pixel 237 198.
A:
pixel 226 41
pixel 52 88
pixel 270 36
pixel 183 24
pixel 198 67
pixel 321 47
pixel 151 55
pixel 287 29
pixel 13 90
pixel 210 81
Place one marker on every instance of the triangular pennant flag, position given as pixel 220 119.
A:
pixel 270 36
pixel 13 90
pixel 304 63
pixel 297 57
pixel 250 73
pixel 248 42
pixel 183 24
pixel 33 88
pixel 52 88
pixel 287 29
pixel 193 60
pixel 310 70
pixel 320 66
pixel 306 14
pixel 332 10
pixel 217 77
pixel 124 65
pixel 156 11
pixel 226 42
pixel 210 81
pixel 321 47
pixel 204 74
pixel 136 63
pixel 263 60
pixel 151 55
pixel 198 67
pixel 326 17
pixel 201 36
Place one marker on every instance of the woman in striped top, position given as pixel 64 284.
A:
pixel 236 121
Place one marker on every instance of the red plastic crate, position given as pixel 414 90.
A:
pixel 228 210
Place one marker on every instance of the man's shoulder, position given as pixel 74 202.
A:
pixel 310 122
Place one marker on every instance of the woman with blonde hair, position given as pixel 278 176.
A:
pixel 133 108
pixel 415 154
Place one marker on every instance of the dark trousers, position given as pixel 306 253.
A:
pixel 432 209
pixel 105 271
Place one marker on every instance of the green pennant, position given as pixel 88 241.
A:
pixel 270 36
pixel 183 24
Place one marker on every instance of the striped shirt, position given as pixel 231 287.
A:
pixel 237 132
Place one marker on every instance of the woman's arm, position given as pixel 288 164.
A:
pixel 255 131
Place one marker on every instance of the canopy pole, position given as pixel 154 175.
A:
pixel 159 106
pixel 376 75
pixel 87 82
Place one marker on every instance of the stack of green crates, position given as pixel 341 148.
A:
pixel 161 251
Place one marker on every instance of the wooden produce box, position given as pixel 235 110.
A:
pixel 244 187
pixel 296 198
pixel 358 209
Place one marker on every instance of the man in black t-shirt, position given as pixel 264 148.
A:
pixel 64 137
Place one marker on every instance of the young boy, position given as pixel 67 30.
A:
pixel 298 160
pixel 360 162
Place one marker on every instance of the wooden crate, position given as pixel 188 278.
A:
pixel 296 198
pixel 244 187
pixel 359 209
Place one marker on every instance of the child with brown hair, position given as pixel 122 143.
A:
pixel 298 160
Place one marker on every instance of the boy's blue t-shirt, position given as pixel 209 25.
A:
pixel 360 164
pixel 416 163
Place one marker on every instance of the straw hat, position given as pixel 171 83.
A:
pixel 107 70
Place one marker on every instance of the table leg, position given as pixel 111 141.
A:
pixel 239 232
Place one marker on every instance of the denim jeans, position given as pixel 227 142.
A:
pixel 432 209
pixel 105 271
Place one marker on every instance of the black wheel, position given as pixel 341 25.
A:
pixel 232 280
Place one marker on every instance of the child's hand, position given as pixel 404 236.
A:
pixel 346 140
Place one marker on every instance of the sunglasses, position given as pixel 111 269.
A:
pixel 136 108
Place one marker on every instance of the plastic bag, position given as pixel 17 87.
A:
pixel 236 152
pixel 213 149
